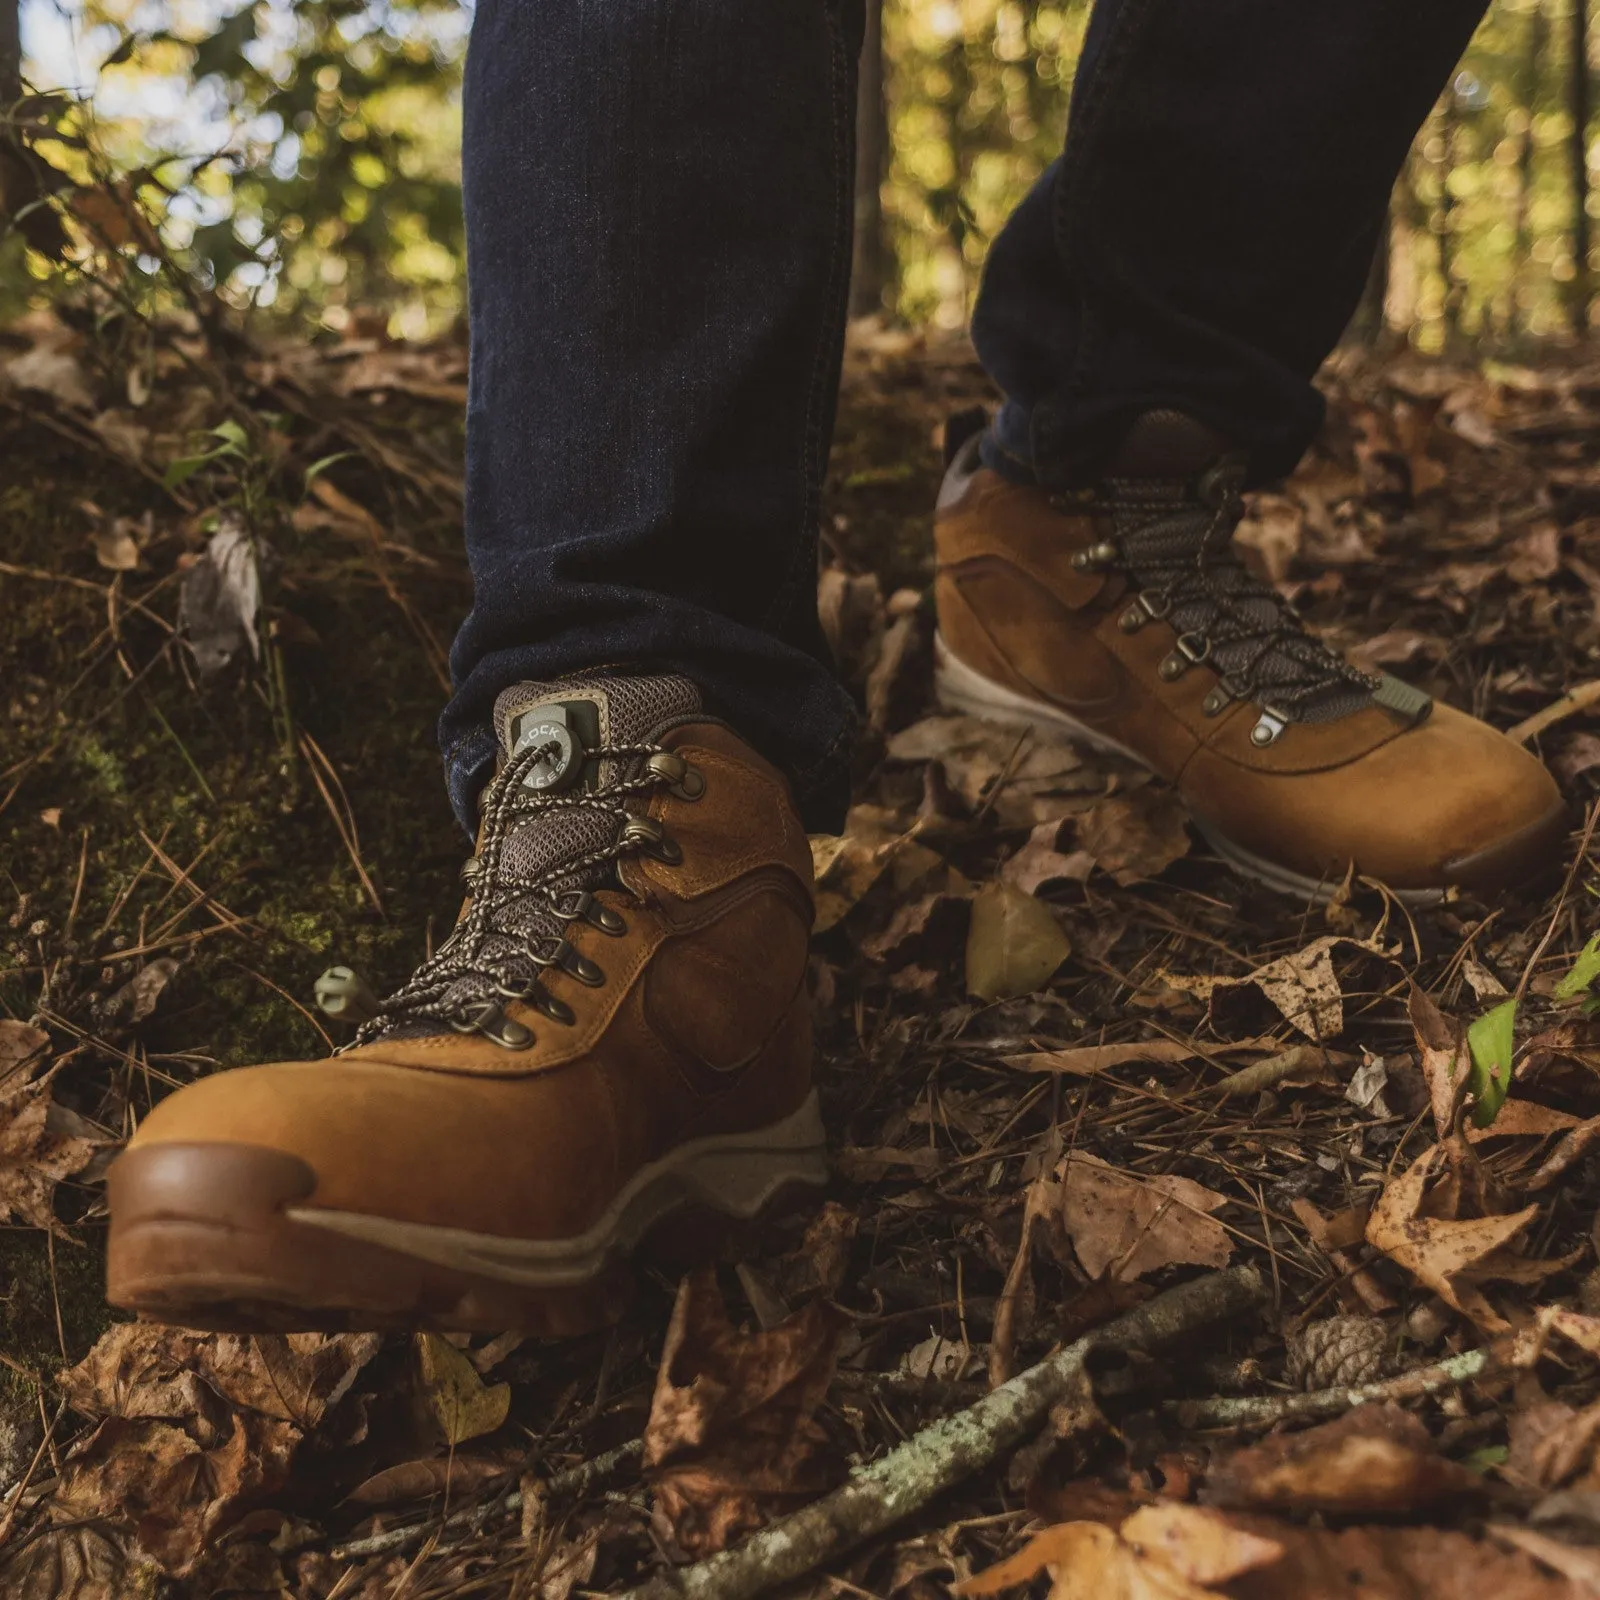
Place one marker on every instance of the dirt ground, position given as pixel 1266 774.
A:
pixel 1068 1059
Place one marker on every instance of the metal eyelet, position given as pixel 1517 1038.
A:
pixel 1132 620
pixel 1096 557
pixel 471 870
pixel 1156 607
pixel 1269 728
pixel 1216 701
pixel 682 780
pixel 579 966
pixel 556 1010
pixel 597 915
pixel 488 1018
pixel 650 838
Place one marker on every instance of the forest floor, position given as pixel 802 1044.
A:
pixel 1068 1060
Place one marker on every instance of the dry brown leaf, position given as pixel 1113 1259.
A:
pixel 1014 944
pixel 1162 1552
pixel 1373 1461
pixel 1127 1225
pixel 197 1427
pixel 1086 1060
pixel 418 1480
pixel 19 1042
pixel 1135 836
pixel 463 1405
pixel 1388 1563
pixel 1450 1256
pixel 1445 1059
pixel 82 1563
pixel 1039 862
pixel 847 865
pixel 1197 1543
pixel 1304 988
pixel 733 1433
pixel 36 1153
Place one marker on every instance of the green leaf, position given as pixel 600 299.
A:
pixel 1584 971
pixel 231 434
pixel 181 471
pixel 317 468
pixel 1491 1039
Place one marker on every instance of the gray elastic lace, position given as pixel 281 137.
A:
pixel 511 934
pixel 1180 555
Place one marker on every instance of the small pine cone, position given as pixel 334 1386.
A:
pixel 1339 1351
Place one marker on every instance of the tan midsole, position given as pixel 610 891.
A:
pixel 735 1174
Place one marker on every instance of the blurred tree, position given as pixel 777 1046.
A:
pixel 1578 99
pixel 10 52
pixel 873 265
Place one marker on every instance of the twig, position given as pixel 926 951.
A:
pixel 877 1496
pixel 1261 1411
pixel 1569 705
pixel 1561 900
pixel 574 1481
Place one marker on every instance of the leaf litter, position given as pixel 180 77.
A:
pixel 1068 1059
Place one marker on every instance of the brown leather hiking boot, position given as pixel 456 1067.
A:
pixel 617 1032
pixel 1123 617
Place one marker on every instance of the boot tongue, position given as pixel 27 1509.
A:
pixel 1167 444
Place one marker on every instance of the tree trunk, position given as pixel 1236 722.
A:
pixel 1578 161
pixel 1532 71
pixel 10 54
pixel 872 266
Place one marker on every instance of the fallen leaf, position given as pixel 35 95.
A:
pixel 1442 1052
pixel 419 1480
pixel 1304 988
pixel 19 1042
pixel 55 372
pixel 1039 862
pixel 847 865
pixel 115 547
pixel 1582 973
pixel 1135 836
pixel 34 1155
pixel 1366 1086
pixel 220 600
pixel 83 1563
pixel 1087 1060
pixel 1163 1552
pixel 1376 1460
pixel 1197 1543
pixel 1581 1566
pixel 1014 944
pixel 138 997
pixel 1127 1225
pixel 464 1406
pixel 1450 1257
pixel 1388 1563
pixel 195 1428
pixel 733 1432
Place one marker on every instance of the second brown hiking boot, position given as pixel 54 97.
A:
pixel 616 1033
pixel 1124 617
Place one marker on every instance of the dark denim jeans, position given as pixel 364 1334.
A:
pixel 658 199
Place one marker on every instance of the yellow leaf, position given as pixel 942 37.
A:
pixel 463 1404
pixel 1014 944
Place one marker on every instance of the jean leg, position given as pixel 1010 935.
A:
pixel 1206 236
pixel 658 202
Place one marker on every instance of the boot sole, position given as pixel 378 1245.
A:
pixel 959 687
pixel 213 1236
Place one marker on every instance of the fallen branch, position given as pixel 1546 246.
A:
pixel 890 1489
pixel 574 1481
pixel 1262 1411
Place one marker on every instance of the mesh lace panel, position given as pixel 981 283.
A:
pixel 574 827
pixel 1180 549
